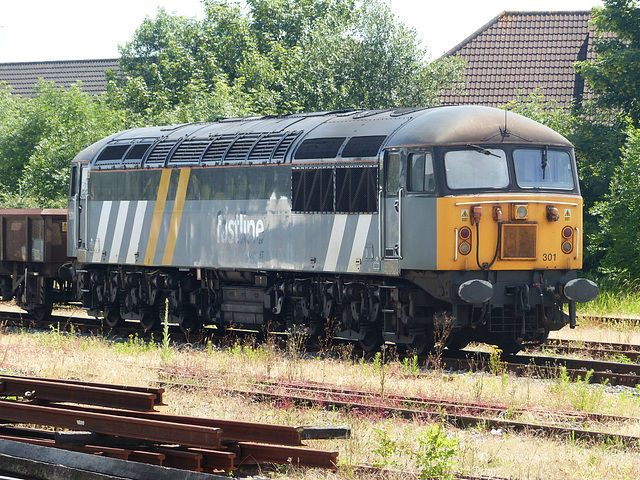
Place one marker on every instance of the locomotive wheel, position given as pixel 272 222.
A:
pixel 42 313
pixel 457 341
pixel 421 345
pixel 508 345
pixel 150 321
pixel 189 324
pixel 112 318
pixel 372 341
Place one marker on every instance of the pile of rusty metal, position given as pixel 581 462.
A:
pixel 122 422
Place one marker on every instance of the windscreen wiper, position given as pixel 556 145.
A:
pixel 480 149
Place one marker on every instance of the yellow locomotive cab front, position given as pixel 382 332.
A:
pixel 509 232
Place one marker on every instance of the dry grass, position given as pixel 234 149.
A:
pixel 616 333
pixel 210 369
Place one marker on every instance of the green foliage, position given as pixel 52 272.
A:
pixel 280 56
pixel 582 395
pixel 39 136
pixel 386 449
pixel 535 106
pixel 381 368
pixel 411 365
pixel 134 345
pixel 172 74
pixel 434 456
pixel 619 211
pixel 496 365
pixel 614 75
pixel 618 295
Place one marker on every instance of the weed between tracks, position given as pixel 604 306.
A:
pixel 197 379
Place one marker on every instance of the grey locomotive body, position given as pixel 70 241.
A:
pixel 347 223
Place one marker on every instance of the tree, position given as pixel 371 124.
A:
pixel 369 61
pixel 171 69
pixel 41 136
pixel 281 56
pixel 619 212
pixel 614 75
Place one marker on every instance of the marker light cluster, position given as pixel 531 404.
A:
pixel 567 240
pixel 464 245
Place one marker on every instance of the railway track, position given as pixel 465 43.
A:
pixel 627 352
pixel 498 418
pixel 597 371
pixel 136 434
pixel 614 319
pixel 621 373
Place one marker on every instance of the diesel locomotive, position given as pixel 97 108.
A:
pixel 374 226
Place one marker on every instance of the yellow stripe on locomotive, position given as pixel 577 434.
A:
pixel 509 232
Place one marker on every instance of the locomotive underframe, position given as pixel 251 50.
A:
pixel 412 311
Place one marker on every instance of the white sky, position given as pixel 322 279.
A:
pixel 40 30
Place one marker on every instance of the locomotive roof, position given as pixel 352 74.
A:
pixel 328 135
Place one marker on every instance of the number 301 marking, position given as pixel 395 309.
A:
pixel 548 257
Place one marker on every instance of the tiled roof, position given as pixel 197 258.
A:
pixel 23 76
pixel 522 51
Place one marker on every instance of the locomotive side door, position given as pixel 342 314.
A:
pixel 391 194
pixel 79 191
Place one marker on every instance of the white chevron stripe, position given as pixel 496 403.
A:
pixel 359 241
pixel 101 236
pixel 136 232
pixel 335 241
pixel 119 231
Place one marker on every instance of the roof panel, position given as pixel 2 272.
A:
pixel 22 77
pixel 523 50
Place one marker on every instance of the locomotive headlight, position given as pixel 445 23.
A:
pixel 464 245
pixel 567 235
pixel 520 211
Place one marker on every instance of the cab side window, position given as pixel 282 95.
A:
pixel 394 166
pixel 421 178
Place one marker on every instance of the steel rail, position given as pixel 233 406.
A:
pixel 602 349
pixel 608 318
pixel 158 392
pixel 460 420
pixel 615 373
pixel 438 405
pixel 248 452
pixel 230 430
pixel 43 390
pixel 141 428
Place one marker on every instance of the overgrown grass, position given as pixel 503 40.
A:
pixel 195 376
pixel 618 297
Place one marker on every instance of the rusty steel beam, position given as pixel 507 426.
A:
pixel 111 452
pixel 216 460
pixel 158 392
pixel 253 452
pixel 45 390
pixel 141 428
pixel 184 460
pixel 151 458
pixel 232 430
pixel 43 442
